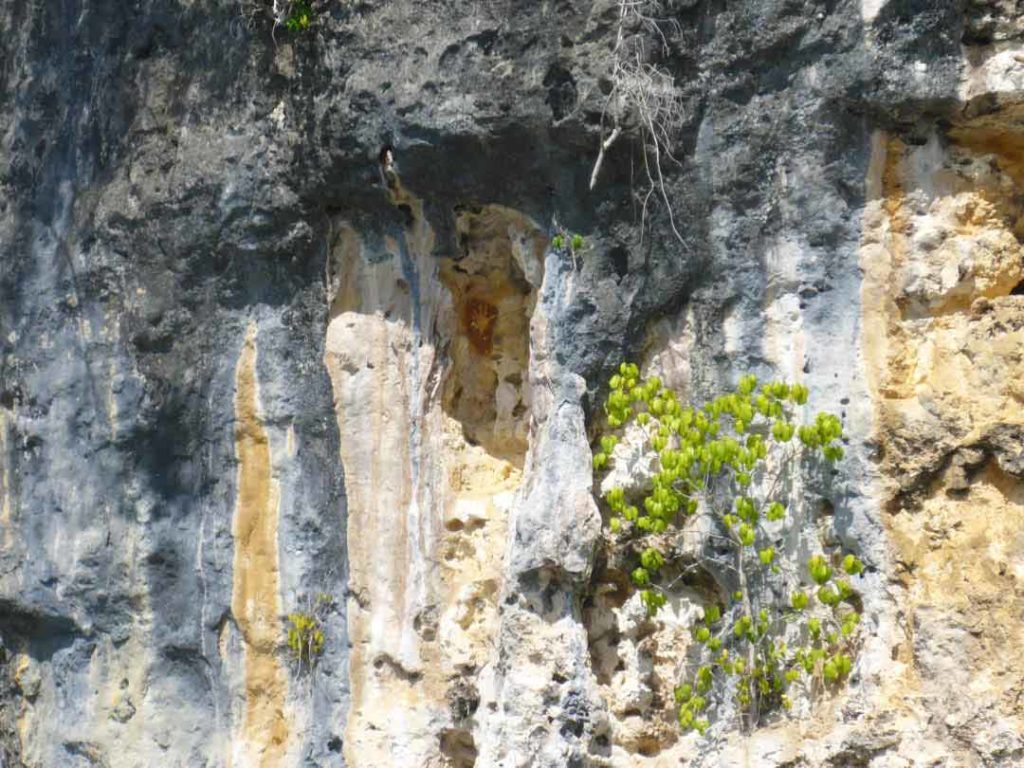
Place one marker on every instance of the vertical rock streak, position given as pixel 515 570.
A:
pixel 6 519
pixel 263 736
pixel 427 504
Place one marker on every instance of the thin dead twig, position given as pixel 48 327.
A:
pixel 643 97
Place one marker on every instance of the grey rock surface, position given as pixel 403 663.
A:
pixel 169 178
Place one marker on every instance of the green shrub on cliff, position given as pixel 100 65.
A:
pixel 299 17
pixel 720 472
pixel 305 632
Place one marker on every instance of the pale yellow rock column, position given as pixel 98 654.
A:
pixel 262 737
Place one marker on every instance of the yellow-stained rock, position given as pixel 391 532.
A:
pixel 944 349
pixel 262 737
pixel 428 365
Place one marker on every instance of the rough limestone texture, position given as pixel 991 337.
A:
pixel 249 359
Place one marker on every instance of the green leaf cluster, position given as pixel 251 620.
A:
pixel 575 242
pixel 713 460
pixel 305 635
pixel 299 17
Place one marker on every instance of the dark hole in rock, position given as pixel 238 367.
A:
pixel 425 623
pixel 574 726
pixel 1018 289
pixel 407 214
pixel 620 260
pixel 485 40
pixel 458 746
pixel 649 748
pixel 463 700
pixel 10 396
pixel 562 93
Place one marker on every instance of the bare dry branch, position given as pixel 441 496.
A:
pixel 643 98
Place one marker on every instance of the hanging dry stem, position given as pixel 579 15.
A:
pixel 643 99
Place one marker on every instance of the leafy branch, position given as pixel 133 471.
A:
pixel 726 464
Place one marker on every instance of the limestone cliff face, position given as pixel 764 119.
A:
pixel 244 365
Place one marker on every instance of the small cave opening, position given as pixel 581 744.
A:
pixel 493 285
pixel 1018 289
pixel 619 258
pixel 458 746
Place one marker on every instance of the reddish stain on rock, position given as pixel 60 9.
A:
pixel 478 319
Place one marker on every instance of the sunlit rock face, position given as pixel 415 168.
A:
pixel 429 361
pixel 942 263
pixel 281 326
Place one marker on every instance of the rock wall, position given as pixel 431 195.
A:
pixel 245 363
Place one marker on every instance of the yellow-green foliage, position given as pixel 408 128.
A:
pixel 713 461
pixel 300 16
pixel 568 243
pixel 305 638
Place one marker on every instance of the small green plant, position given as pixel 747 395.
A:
pixel 300 16
pixel 572 243
pixel 728 463
pixel 294 15
pixel 306 632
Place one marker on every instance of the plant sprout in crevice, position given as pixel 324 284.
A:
pixel 572 244
pixel 294 15
pixel 305 632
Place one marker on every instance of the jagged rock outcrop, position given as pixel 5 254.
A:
pixel 246 363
